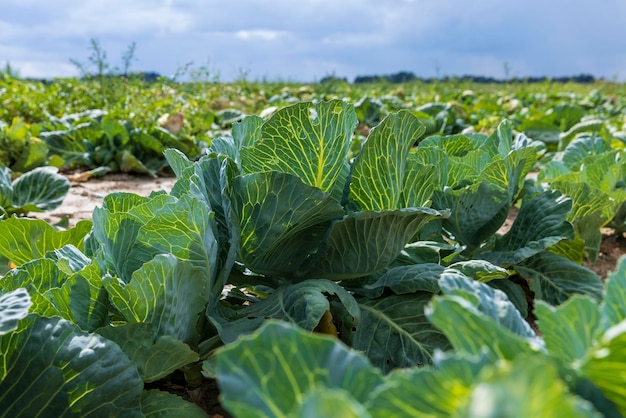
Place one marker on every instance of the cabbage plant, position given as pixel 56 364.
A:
pixel 593 174
pixel 279 221
pixel 501 367
pixel 38 190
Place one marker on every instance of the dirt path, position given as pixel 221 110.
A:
pixel 84 196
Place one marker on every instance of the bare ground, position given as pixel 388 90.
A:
pixel 84 196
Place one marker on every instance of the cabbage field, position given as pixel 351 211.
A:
pixel 326 250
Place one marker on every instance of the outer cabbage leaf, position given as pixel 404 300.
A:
pixel 38 277
pixel 571 329
pixel 117 232
pixel 409 279
pixel 69 259
pixel 6 188
pixel 81 298
pixel 211 181
pixel 160 404
pixel 468 387
pixel 394 332
pixel 577 151
pixel 177 160
pixel 478 179
pixel 555 279
pixel 419 183
pixel 489 301
pixel 208 180
pixel 123 202
pixel 478 270
pixel 365 242
pixel 379 169
pixel 23 240
pixel 303 304
pixel 605 365
pixel 244 134
pixel 605 361
pixel 326 402
pixel 515 293
pixel 39 190
pixel 167 292
pixel 186 230
pixel 539 224
pixel 592 209
pixel 306 140
pixel 75 145
pixel 271 372
pixel 132 230
pixel 65 283
pixel 508 173
pixel 155 356
pixel 14 306
pixel 282 221
pixel 614 305
pixel 427 392
pixel 474 309
pixel 129 163
pixel 452 145
pixel 592 174
pixel 528 387
pixel 477 211
pixel 589 338
pixel 54 368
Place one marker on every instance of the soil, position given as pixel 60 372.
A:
pixel 85 195
pixel 612 248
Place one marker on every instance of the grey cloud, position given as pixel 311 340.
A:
pixel 306 40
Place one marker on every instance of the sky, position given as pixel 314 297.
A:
pixel 305 40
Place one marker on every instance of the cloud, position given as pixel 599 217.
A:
pixel 308 39
pixel 262 34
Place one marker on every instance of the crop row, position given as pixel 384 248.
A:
pixel 381 234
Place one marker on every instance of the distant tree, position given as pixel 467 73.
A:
pixel 401 77
pixel 332 78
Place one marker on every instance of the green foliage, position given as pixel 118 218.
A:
pixel 91 140
pixel 66 349
pixel 593 175
pixel 479 178
pixel 310 142
pixel 167 354
pixel 25 240
pixel 38 190
pixel 19 150
pixel 158 403
pixel 50 363
pixel 385 239
pixel 274 385
pixel 500 366
pixel 13 307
